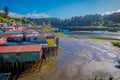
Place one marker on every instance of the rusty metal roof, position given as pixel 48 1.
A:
pixel 11 35
pixel 30 31
pixel 35 35
pixel 21 48
pixel 6 35
pixel 17 30
pixel 17 35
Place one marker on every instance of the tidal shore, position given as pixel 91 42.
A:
pixel 80 59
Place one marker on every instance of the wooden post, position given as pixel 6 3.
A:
pixel 7 67
pixel 4 67
pixel 13 66
pixel 24 65
pixel 16 63
pixel 57 42
pixel 21 68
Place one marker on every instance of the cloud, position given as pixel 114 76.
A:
pixel 36 15
pixel 15 15
pixel 111 12
pixel 1 11
pixel 33 15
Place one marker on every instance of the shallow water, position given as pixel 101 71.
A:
pixel 81 59
pixel 115 35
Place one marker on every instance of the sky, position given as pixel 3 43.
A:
pixel 59 8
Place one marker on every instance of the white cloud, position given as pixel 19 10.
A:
pixel 15 15
pixel 33 15
pixel 111 12
pixel 1 11
pixel 36 15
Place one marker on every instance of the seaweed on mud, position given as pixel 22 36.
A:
pixel 101 75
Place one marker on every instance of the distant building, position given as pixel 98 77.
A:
pixel 3 40
pixel 28 25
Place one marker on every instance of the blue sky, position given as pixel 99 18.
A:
pixel 60 8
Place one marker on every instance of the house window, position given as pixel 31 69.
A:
pixel 6 55
pixel 18 54
pixel 35 38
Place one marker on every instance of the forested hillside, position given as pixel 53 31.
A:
pixel 111 20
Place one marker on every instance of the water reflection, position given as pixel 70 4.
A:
pixel 115 35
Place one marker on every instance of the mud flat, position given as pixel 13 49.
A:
pixel 80 59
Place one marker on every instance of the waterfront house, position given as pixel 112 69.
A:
pixel 30 31
pixel 13 37
pixel 49 35
pixel 21 53
pixel 17 37
pixel 20 56
pixel 8 28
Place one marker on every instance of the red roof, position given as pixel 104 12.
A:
pixel 21 48
pixel 16 30
pixel 6 35
pixel 41 34
pixel 30 31
pixel 30 35
pixel 20 28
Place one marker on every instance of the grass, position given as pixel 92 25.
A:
pixel 116 43
pixel 58 34
pixel 104 38
pixel 98 37
pixel 45 30
pixel 61 34
pixel 101 75
pixel 51 42
pixel 52 29
pixel 6 19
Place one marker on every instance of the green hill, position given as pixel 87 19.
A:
pixel 7 19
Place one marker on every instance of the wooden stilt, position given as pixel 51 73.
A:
pixel 24 65
pixel 13 66
pixel 21 68
pixel 16 63
pixel 4 65
pixel 7 67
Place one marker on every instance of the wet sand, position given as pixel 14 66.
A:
pixel 80 59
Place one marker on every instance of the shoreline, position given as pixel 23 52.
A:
pixel 81 59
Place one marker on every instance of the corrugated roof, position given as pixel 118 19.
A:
pixel 30 31
pixel 6 35
pixel 41 34
pixel 21 48
pixel 30 35
pixel 12 35
pixel 17 35
pixel 49 34
pixel 17 30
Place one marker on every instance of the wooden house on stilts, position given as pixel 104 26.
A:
pixel 16 57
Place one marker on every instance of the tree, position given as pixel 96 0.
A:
pixel 43 23
pixel 6 10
